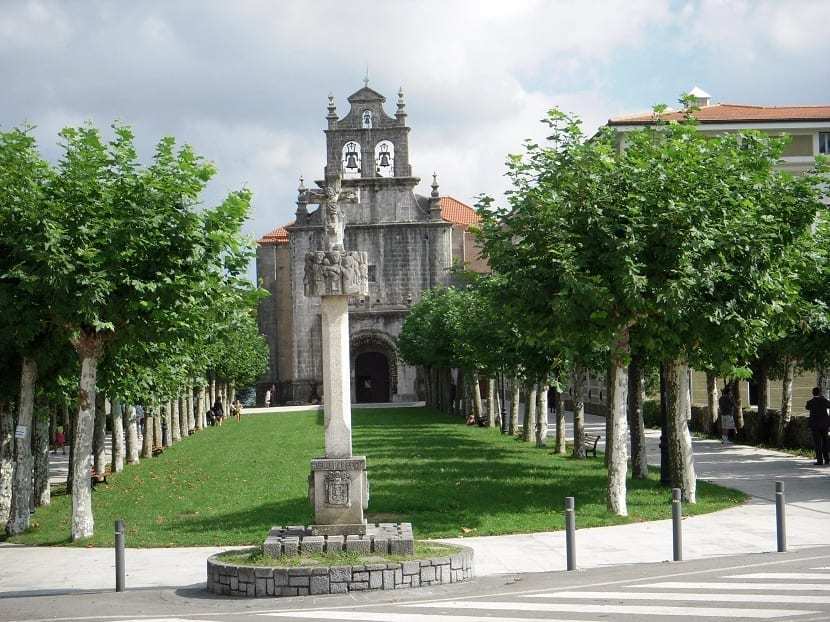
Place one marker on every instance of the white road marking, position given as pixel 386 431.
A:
pixel 805 599
pixel 767 587
pixel 783 575
pixel 642 610
pixel 373 616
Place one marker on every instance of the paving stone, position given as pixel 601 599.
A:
pixel 358 586
pixel 280 577
pixel 428 573
pixel 375 579
pixel 360 576
pixel 260 587
pixel 298 581
pixel 312 544
pixel 375 566
pixel 334 543
pixel 291 546
pixel 338 588
pixel 388 579
pixel 411 567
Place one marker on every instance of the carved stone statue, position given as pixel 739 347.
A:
pixel 334 220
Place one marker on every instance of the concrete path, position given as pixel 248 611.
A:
pixel 746 529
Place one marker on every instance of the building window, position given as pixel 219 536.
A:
pixel 373 273
pixel 351 160
pixel 385 159
pixel 824 143
pixel 367 119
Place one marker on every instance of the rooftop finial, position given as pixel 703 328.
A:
pixel 434 194
pixel 366 78
pixel 301 188
pixel 401 113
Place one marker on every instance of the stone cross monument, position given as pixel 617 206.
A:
pixel 338 487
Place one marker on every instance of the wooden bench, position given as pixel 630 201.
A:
pixel 590 444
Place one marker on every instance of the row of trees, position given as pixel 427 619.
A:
pixel 114 283
pixel 664 249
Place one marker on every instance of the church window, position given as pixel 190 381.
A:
pixel 385 159
pixel 373 273
pixel 367 119
pixel 351 160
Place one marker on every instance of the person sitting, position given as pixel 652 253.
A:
pixel 211 420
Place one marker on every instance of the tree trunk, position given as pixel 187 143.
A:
pixel 578 384
pixel 191 409
pixel 530 414
pixel 491 402
pixel 786 401
pixel 559 407
pixel 182 407
pixel 763 393
pixel 542 415
pixel 617 442
pixel 499 422
pixel 167 426
pixel 149 428
pixel 175 429
pixel 476 391
pixel 739 404
pixel 158 440
pixel 21 507
pixel 99 438
pixel 212 390
pixel 89 348
pixel 117 411
pixel 514 406
pixel 199 409
pixel 710 421
pixel 72 439
pixel 681 457
pixel 42 489
pixel 823 381
pixel 6 459
pixel 636 426
pixel 131 440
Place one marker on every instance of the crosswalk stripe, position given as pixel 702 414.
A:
pixel 766 587
pixel 642 610
pixel 395 616
pixel 805 599
pixel 783 575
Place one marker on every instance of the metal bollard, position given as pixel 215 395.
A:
pixel 120 574
pixel 780 517
pixel 570 532
pixel 677 529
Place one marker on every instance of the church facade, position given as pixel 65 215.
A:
pixel 411 241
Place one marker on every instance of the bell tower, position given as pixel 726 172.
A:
pixel 367 143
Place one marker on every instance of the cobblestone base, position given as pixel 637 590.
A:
pixel 232 580
pixel 380 538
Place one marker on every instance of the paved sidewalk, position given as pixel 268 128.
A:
pixel 746 529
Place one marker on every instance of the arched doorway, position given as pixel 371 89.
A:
pixel 371 376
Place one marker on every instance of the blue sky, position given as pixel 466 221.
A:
pixel 246 82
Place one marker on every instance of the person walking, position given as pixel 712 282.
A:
pixel 726 408
pixel 819 423
pixel 218 412
pixel 236 409
pixel 60 440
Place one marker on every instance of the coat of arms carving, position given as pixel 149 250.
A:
pixel 337 488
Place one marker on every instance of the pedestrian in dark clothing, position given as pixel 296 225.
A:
pixel 819 423
pixel 218 412
pixel 726 414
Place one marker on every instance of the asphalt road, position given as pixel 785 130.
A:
pixel 770 586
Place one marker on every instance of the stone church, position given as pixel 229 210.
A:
pixel 412 241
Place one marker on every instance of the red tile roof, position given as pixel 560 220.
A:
pixel 736 113
pixel 452 210
pixel 456 212
pixel 277 236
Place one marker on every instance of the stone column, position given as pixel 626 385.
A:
pixel 336 382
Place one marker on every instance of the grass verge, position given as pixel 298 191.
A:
pixel 228 486
pixel 255 557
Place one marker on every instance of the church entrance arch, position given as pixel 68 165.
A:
pixel 371 377
pixel 375 367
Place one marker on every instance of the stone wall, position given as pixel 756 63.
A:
pixel 233 580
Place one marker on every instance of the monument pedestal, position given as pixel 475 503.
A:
pixel 339 491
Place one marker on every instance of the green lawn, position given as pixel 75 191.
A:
pixel 229 485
